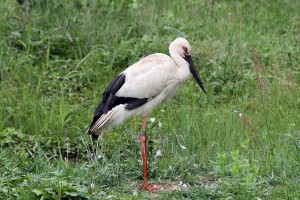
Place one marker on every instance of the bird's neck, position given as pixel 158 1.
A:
pixel 178 59
pixel 183 66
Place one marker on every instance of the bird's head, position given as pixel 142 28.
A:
pixel 182 47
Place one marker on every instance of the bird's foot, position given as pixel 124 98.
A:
pixel 149 187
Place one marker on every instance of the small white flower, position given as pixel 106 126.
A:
pixel 35 147
pixel 235 111
pixel 135 192
pixel 159 124
pixel 110 196
pixel 184 185
pixel 213 144
pixel 240 114
pixel 162 110
pixel 152 120
pixel 158 153
pixel 92 186
pixel 183 147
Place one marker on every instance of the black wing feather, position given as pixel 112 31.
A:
pixel 135 103
pixel 109 101
pixel 114 86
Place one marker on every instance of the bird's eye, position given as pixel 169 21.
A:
pixel 185 51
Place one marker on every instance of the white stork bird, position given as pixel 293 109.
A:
pixel 140 88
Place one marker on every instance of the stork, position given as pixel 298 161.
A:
pixel 140 88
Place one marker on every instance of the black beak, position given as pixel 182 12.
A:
pixel 195 72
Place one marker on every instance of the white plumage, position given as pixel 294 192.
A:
pixel 155 77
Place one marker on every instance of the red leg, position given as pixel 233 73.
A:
pixel 144 123
pixel 143 139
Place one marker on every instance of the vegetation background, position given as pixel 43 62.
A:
pixel 240 141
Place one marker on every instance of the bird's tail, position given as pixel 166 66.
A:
pixel 110 119
pixel 90 132
pixel 93 135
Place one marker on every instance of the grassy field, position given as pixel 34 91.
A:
pixel 240 141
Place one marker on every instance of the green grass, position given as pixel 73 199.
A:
pixel 242 139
